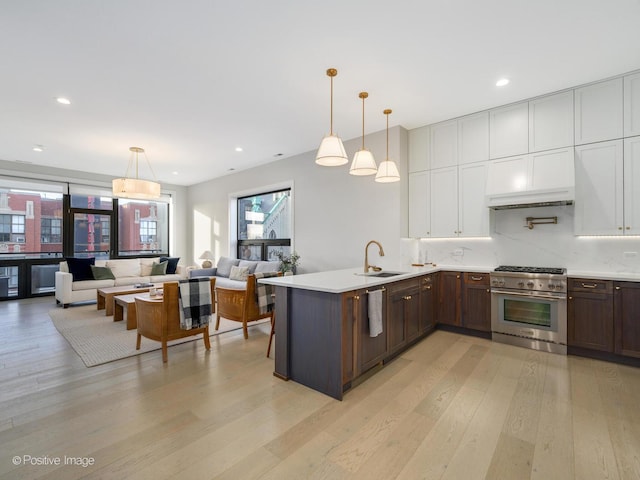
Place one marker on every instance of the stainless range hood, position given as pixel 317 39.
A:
pixel 532 180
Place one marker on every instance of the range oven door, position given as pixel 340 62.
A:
pixel 531 315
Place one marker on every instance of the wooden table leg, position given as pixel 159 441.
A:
pixel 132 321
pixel 108 304
pixel 100 301
pixel 118 312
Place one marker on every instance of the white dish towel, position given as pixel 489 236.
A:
pixel 375 313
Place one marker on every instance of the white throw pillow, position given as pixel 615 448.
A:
pixel 124 267
pixel 224 266
pixel 264 267
pixel 146 264
pixel 239 273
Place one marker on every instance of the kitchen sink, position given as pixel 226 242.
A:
pixel 381 274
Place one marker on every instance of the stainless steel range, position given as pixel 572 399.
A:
pixel 529 307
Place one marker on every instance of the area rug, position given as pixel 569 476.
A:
pixel 97 339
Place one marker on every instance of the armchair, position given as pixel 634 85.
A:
pixel 160 320
pixel 240 305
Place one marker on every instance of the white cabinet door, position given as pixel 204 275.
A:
pixel 598 110
pixel 599 189
pixel 509 130
pixel 419 209
pixel 632 186
pixel 419 149
pixel 551 122
pixel 444 144
pixel 473 138
pixel 551 169
pixel 507 175
pixel 444 202
pixel 473 214
pixel 632 105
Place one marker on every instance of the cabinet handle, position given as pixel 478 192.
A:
pixel 617 288
pixel 587 285
pixel 619 228
pixel 488 290
pixel 570 298
pixel 356 297
pixel 628 228
pixel 427 287
pixel 477 279
pixel 457 276
pixel 407 297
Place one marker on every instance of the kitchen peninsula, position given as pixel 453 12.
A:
pixel 322 328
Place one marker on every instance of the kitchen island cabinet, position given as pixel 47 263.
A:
pixel 626 318
pixel 403 314
pixel 590 314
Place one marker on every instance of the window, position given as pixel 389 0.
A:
pixel 12 228
pixel 51 230
pixel 264 224
pixel 147 231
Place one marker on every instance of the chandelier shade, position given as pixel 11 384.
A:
pixel 363 162
pixel 331 152
pixel 136 188
pixel 388 170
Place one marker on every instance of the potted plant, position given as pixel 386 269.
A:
pixel 288 263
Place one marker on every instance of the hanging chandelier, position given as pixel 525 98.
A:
pixel 135 187
pixel 387 171
pixel 363 161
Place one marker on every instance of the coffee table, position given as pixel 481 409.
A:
pixel 124 306
pixel 105 295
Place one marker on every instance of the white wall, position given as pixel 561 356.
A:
pixel 335 214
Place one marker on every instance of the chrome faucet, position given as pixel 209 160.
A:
pixel 366 257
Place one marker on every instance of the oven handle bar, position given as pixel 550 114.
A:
pixel 547 296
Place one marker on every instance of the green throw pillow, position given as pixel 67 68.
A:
pixel 159 268
pixel 102 273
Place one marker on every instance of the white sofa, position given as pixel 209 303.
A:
pixel 223 271
pixel 127 271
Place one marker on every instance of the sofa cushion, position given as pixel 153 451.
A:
pixel 228 283
pixel 250 264
pixel 263 267
pixel 224 266
pixel 126 267
pixel 102 273
pixel 202 272
pixel 121 281
pixel 91 284
pixel 239 273
pixel 172 265
pixel 165 278
pixel 159 268
pixel 146 264
pixel 80 268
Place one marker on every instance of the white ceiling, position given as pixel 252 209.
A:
pixel 191 80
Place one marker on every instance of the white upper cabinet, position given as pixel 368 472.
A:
pixel 473 215
pixel 632 105
pixel 599 189
pixel 444 202
pixel 599 112
pixel 419 149
pixel 419 205
pixel 551 122
pixel 444 144
pixel 473 138
pixel 509 130
pixel 632 186
pixel 508 175
pixel 552 169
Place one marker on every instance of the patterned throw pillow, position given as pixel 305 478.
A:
pixel 239 273
pixel 159 268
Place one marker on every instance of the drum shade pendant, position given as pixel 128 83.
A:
pixel 331 152
pixel 363 161
pixel 134 187
pixel 387 171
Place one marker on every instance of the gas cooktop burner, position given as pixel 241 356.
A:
pixel 549 270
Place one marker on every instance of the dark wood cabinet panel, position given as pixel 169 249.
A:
pixel 428 287
pixel 403 313
pixel 590 315
pixel 626 313
pixel 476 302
pixel 449 298
pixel 350 312
pixel 371 350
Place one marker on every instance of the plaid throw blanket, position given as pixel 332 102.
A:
pixel 266 299
pixel 194 301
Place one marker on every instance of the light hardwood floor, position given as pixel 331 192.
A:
pixel 452 407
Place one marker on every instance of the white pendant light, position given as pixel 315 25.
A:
pixel 331 152
pixel 134 187
pixel 387 171
pixel 363 161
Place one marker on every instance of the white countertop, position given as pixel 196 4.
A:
pixel 340 281
pixel 620 276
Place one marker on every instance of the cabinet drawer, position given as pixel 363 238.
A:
pixel 476 278
pixel 590 285
pixel 405 287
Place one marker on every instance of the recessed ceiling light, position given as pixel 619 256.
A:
pixel 38 148
pixel 63 100
pixel 238 149
pixel 174 173
pixel 502 82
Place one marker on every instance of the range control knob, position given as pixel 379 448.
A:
pixel 553 286
pixel 521 284
pixel 530 284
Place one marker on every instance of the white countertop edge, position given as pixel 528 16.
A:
pixel 621 276
pixel 340 281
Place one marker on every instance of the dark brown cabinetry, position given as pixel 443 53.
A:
pixel 428 286
pixel 403 313
pixel 449 298
pixel 476 302
pixel 626 315
pixel 590 314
